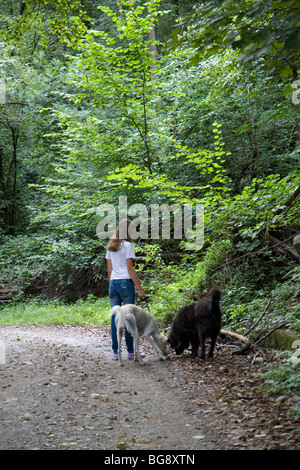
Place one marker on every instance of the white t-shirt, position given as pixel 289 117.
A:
pixel 118 260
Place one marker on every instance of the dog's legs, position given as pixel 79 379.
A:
pixel 137 356
pixel 133 330
pixel 212 346
pixel 195 344
pixel 194 349
pixel 202 345
pixel 119 336
pixel 135 347
pixel 154 345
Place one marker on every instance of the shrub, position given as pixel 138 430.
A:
pixel 285 379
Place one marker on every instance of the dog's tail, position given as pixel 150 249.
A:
pixel 115 310
pixel 215 300
pixel 121 316
pixel 215 296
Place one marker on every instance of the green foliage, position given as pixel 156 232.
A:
pixel 24 155
pixel 40 24
pixel 284 378
pixel 255 28
pixel 173 286
pixel 62 267
pixel 241 309
pixel 120 69
pixel 262 114
pixel 262 207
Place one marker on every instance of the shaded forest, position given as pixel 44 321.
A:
pixel 165 102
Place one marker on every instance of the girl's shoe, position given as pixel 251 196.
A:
pixel 131 355
pixel 115 357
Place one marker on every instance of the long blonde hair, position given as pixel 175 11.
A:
pixel 120 234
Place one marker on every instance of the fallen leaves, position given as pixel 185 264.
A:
pixel 230 388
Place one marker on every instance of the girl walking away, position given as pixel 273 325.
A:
pixel 122 279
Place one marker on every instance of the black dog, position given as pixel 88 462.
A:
pixel 196 322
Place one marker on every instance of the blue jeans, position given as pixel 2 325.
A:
pixel 121 291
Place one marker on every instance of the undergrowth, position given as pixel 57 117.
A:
pixel 285 379
pixel 89 312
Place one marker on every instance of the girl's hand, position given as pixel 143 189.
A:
pixel 141 293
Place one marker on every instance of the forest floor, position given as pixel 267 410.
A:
pixel 61 390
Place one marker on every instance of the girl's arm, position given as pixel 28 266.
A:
pixel 134 277
pixel 109 268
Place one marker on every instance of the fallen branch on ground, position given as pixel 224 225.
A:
pixel 246 341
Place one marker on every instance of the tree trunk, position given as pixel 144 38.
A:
pixel 15 138
pixel 3 217
pixel 21 8
pixel 152 36
pixel 153 49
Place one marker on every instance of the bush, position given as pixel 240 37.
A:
pixel 285 379
pixel 54 266
pixel 177 285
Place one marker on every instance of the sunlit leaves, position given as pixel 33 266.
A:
pixel 42 21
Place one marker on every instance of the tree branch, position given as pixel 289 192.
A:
pixel 253 253
pixel 270 332
pixel 289 202
pixel 262 315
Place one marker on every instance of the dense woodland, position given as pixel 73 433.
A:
pixel 165 102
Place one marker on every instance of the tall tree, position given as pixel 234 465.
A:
pixel 115 72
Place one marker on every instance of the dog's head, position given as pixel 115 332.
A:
pixel 163 344
pixel 175 343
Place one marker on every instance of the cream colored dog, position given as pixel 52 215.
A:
pixel 138 322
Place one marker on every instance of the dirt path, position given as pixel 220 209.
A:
pixel 61 390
